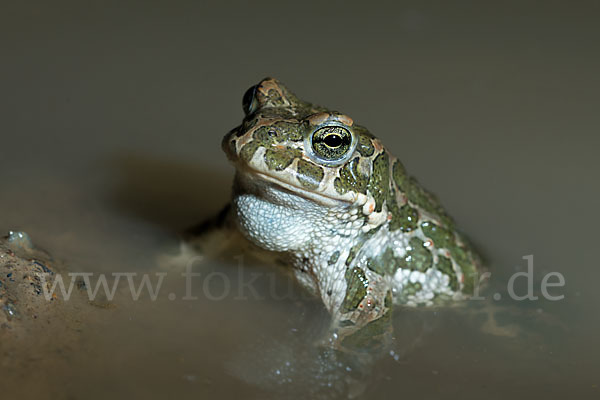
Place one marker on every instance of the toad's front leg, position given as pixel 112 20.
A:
pixel 361 312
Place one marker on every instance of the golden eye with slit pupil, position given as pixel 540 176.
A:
pixel 331 143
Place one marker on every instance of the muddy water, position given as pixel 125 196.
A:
pixel 112 116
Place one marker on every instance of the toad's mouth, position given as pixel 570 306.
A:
pixel 325 199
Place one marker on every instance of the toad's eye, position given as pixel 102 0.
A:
pixel 331 143
pixel 333 140
pixel 249 102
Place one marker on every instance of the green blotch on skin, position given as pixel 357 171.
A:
pixel 418 195
pixel 372 232
pixel 417 257
pixel 442 237
pixel 279 159
pixel 350 178
pixel 404 218
pixel 248 150
pixel 360 130
pixel 309 175
pixel 333 258
pixel 444 265
pixel 339 186
pixel 277 98
pixel 356 289
pixel 408 218
pixel 280 131
pixel 288 131
pixel 379 183
pixel 263 136
pixel 466 259
pixel 399 175
pixel 371 336
pixel 365 146
pixel 385 264
pixel 352 253
pixel 409 289
pixel 273 98
pixel 412 288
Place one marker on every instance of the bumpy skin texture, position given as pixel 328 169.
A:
pixel 363 235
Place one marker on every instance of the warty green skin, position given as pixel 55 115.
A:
pixel 358 231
